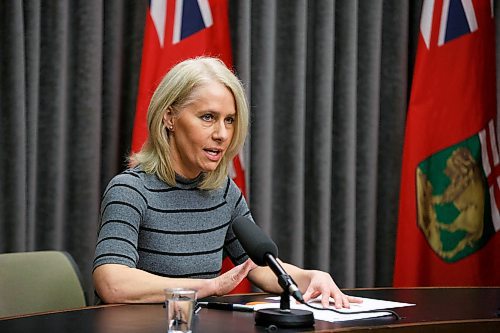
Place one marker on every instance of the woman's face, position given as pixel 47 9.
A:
pixel 202 130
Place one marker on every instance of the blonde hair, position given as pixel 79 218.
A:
pixel 174 92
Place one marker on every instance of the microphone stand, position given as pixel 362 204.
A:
pixel 284 316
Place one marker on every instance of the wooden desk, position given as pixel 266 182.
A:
pixel 437 310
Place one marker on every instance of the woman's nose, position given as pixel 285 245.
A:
pixel 221 133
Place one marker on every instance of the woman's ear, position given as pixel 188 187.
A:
pixel 168 119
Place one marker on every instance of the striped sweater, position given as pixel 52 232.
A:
pixel 176 231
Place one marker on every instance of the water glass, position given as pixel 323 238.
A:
pixel 179 303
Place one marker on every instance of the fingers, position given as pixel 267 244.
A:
pixel 251 264
pixel 325 300
pixel 239 272
pixel 341 300
pixel 311 294
pixel 337 296
pixel 353 299
pixel 244 268
pixel 321 283
pixel 346 300
pixel 229 280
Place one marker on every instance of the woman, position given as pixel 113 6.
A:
pixel 166 221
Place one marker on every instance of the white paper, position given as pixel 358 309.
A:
pixel 367 305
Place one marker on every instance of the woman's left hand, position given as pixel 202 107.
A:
pixel 321 283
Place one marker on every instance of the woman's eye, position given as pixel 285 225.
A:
pixel 230 120
pixel 207 117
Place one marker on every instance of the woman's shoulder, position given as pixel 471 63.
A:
pixel 132 183
pixel 132 176
pixel 137 177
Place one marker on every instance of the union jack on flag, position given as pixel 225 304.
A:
pixel 457 19
pixel 190 17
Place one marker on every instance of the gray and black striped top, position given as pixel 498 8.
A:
pixel 176 231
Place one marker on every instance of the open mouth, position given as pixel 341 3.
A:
pixel 213 153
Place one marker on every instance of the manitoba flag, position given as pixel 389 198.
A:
pixel 177 30
pixel 448 213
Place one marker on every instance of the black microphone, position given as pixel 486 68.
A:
pixel 263 251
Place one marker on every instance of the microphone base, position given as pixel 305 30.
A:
pixel 284 318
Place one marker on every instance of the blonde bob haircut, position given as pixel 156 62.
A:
pixel 174 93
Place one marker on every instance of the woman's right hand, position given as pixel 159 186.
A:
pixel 225 283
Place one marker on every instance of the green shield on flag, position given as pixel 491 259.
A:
pixel 453 204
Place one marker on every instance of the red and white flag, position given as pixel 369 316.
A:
pixel 177 30
pixel 448 213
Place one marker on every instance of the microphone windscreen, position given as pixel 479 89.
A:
pixel 254 241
